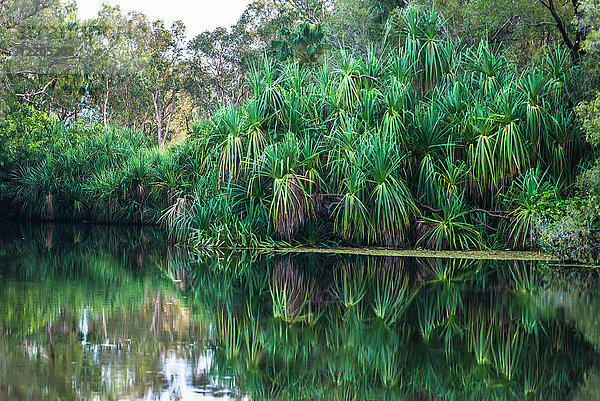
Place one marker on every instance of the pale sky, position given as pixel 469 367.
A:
pixel 198 16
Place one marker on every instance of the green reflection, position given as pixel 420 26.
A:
pixel 109 313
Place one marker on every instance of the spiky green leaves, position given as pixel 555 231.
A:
pixel 527 197
pixel 425 47
pixel 533 86
pixel 290 202
pixel 352 217
pixel 488 67
pixel 449 229
pixel 391 203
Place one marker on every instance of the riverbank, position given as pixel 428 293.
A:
pixel 424 253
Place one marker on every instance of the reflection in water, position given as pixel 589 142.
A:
pixel 108 313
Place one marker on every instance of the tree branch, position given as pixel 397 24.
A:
pixel 43 5
pixel 509 21
pixel 574 48
pixel 28 96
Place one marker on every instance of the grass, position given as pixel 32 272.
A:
pixel 418 253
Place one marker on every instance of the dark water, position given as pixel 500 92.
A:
pixel 110 313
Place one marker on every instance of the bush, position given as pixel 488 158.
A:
pixel 24 136
pixel 575 235
pixel 58 171
pixel 571 229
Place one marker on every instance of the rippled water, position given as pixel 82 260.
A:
pixel 115 313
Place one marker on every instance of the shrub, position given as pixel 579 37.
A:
pixel 571 229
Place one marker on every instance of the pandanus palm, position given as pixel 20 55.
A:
pixel 449 229
pixel 36 190
pixel 489 68
pixel 435 50
pixel 453 101
pixel 563 145
pixel 168 176
pixel 294 114
pixel 343 141
pixel 533 88
pixel 453 174
pixel 372 68
pixel 329 111
pixel 137 173
pixel 72 164
pixel 228 126
pixel 265 84
pixel 480 141
pixel 511 145
pixel 106 152
pixel 423 44
pixel 525 198
pixel 257 135
pixel 391 203
pixel 401 67
pixel 304 41
pixel 290 203
pixel 557 66
pixel 309 153
pixel 106 187
pixel 352 219
pixel 349 82
pixel 346 140
pixel 294 79
pixel 428 139
pixel 394 115
pixel 405 25
pixel 370 108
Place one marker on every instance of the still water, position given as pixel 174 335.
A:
pixel 115 313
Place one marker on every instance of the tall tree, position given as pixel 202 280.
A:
pixel 42 56
pixel 574 41
pixel 158 55
pixel 219 60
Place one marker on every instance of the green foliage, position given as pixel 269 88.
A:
pixel 79 172
pixel 450 228
pixel 589 115
pixel 524 29
pixel 528 197
pixel 434 142
pixel 349 152
pixel 303 43
pixel 571 229
pixel 573 233
pixel 24 134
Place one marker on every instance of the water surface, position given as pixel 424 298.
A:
pixel 115 313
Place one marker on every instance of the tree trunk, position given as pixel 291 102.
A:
pixel 158 117
pixel 172 104
pixel 575 48
pixel 105 105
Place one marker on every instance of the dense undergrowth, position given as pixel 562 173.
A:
pixel 91 173
pixel 433 144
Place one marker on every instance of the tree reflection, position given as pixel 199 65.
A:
pixel 118 314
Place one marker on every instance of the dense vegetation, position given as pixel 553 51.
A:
pixel 90 173
pixel 418 133
pixel 377 150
